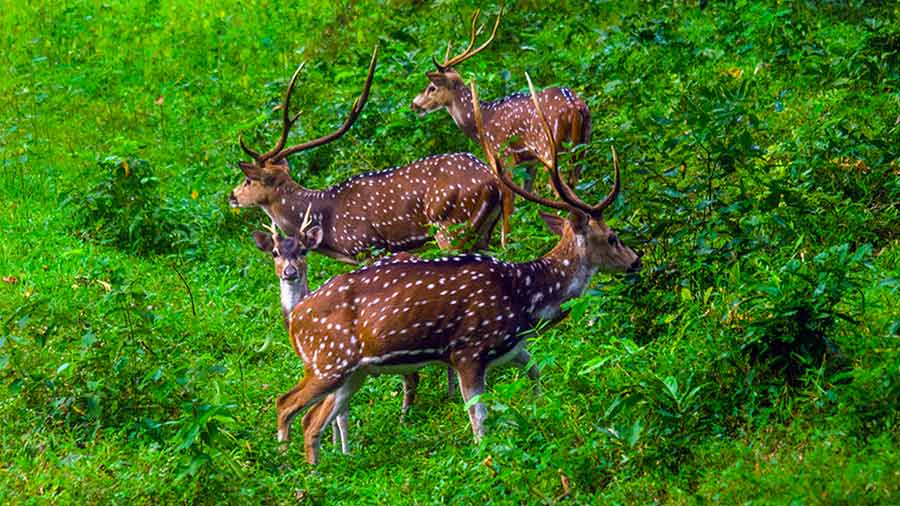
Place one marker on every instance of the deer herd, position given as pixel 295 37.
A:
pixel 470 312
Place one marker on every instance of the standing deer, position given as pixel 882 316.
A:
pixel 392 209
pixel 289 257
pixel 510 122
pixel 471 312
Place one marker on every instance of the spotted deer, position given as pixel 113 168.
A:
pixel 289 258
pixel 393 209
pixel 510 122
pixel 470 311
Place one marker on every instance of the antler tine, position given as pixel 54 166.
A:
pixel 495 163
pixel 253 154
pixel 617 185
pixel 307 221
pixel 552 164
pixel 469 52
pixel 271 228
pixel 351 118
pixel 447 53
pixel 561 187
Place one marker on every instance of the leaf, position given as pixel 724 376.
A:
pixel 475 399
pixel 634 434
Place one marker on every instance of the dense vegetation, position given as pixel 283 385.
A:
pixel 755 360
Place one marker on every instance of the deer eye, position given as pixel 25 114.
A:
pixel 612 240
pixel 275 253
pixel 247 181
pixel 431 88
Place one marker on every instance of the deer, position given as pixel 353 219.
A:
pixel 511 123
pixel 471 311
pixel 289 258
pixel 392 209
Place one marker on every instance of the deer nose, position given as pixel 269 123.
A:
pixel 232 200
pixel 636 265
pixel 289 273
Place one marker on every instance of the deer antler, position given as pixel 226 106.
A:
pixel 495 163
pixel 307 221
pixel 279 152
pixel 468 52
pixel 351 118
pixel 287 123
pixel 274 231
pixel 563 189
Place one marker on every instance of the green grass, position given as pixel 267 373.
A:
pixel 754 361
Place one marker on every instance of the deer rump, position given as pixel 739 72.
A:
pixel 395 208
pixel 397 317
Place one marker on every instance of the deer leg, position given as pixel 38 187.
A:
pixel 334 406
pixel 521 359
pixel 451 382
pixel 410 385
pixel 471 383
pixel 529 178
pixel 487 217
pixel 508 203
pixel 578 136
pixel 342 425
pixel 308 391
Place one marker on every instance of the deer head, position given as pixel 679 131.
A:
pixel 270 170
pixel 584 229
pixel 289 253
pixel 446 84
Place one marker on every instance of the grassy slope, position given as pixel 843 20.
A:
pixel 700 382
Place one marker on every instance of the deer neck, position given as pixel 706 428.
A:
pixel 292 292
pixel 288 203
pixel 463 113
pixel 562 274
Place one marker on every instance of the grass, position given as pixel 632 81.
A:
pixel 754 361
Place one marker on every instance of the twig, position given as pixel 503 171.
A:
pixel 187 286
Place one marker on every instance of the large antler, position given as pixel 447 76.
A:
pixel 279 152
pixel 570 202
pixel 495 163
pixel 468 52
pixel 559 184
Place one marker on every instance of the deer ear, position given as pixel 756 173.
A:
pixel 438 78
pixel 554 223
pixel 313 237
pixel 249 170
pixel 263 241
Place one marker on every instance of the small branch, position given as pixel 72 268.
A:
pixel 187 286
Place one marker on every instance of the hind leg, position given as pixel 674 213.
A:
pixel 451 382
pixel 507 203
pixel 339 405
pixel 410 385
pixel 530 176
pixel 521 359
pixel 471 383
pixel 308 391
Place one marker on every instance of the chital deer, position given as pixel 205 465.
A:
pixel 289 257
pixel 472 312
pixel 510 122
pixel 392 209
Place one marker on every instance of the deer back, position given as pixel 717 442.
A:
pixel 513 123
